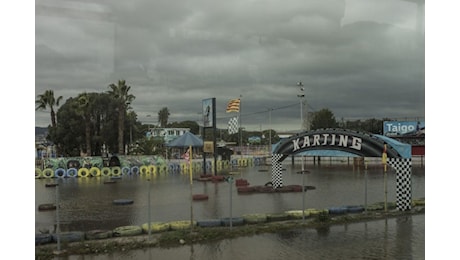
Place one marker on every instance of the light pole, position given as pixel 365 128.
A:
pixel 301 97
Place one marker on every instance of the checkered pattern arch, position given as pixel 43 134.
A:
pixel 403 167
pixel 277 171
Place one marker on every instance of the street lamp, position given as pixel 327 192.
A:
pixel 301 97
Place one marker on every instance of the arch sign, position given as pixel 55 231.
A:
pixel 398 155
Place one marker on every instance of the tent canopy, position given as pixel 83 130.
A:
pixel 186 140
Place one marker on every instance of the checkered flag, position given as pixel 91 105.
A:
pixel 233 125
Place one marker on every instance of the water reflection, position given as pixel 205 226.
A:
pixel 86 203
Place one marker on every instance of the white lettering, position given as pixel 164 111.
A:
pixel 316 140
pixel 356 143
pixel 295 143
pixel 306 141
pixel 325 139
pixel 343 140
pixel 333 140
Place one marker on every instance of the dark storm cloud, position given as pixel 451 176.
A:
pixel 352 59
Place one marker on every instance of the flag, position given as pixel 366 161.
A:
pixel 233 105
pixel 187 155
pixel 384 157
pixel 233 125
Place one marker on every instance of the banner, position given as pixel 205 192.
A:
pixel 233 105
pixel 233 125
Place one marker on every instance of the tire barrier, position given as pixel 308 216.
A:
pixel 83 172
pixel 184 167
pixel 41 239
pixel 95 171
pixel 418 202
pixel 125 170
pixel 236 221
pixel 123 201
pixel 74 236
pixel 163 169
pixel 135 170
pixel 337 210
pixel 116 171
pixel 254 218
pixel 152 169
pixel 155 227
pixel 181 224
pixel 60 173
pixel 48 173
pixel 219 165
pixel 105 171
pixel 297 214
pixel 257 161
pixel 186 224
pixel 98 234
pixel 234 162
pixel 277 217
pixel 225 164
pixel 200 197
pixel 124 231
pixel 144 170
pixel 47 206
pixel 245 189
pixel 316 212
pixel 242 162
pixel 209 223
pixel 354 209
pixel 173 167
pixel 197 166
pixel 38 173
pixel 72 172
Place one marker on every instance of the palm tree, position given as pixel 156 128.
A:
pixel 121 94
pixel 47 100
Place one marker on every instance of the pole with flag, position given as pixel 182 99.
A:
pixel 234 105
pixel 384 162
pixel 187 157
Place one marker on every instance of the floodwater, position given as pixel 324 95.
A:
pixel 87 204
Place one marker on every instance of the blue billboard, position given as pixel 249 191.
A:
pixel 403 128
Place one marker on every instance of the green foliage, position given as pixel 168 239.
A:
pixel 163 116
pixel 323 119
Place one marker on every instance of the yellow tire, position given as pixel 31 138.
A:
pixel 116 171
pixel 144 170
pixel 83 172
pixel 38 173
pixel 163 169
pixel 181 224
pixel 152 169
pixel 48 173
pixel 95 171
pixel 155 227
pixel 105 171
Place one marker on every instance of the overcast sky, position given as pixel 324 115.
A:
pixel 359 58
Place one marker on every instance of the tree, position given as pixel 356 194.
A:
pixel 120 93
pixel 47 100
pixel 163 116
pixel 84 109
pixel 323 119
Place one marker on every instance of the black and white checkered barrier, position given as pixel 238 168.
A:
pixel 403 168
pixel 277 171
